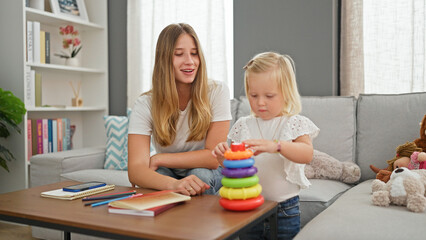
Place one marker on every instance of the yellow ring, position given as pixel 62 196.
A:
pixel 240 193
pixel 230 155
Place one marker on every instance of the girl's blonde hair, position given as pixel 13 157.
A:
pixel 165 99
pixel 283 71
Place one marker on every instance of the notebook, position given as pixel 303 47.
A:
pixel 150 212
pixel 64 195
pixel 150 200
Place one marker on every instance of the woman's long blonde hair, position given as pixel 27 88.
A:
pixel 165 99
pixel 283 71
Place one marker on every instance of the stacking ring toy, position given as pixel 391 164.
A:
pixel 240 182
pixel 230 155
pixel 240 193
pixel 238 164
pixel 239 172
pixel 242 205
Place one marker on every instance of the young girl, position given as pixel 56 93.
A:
pixel 184 115
pixel 280 138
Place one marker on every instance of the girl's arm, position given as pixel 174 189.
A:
pixel 195 159
pixel 142 175
pixel 299 150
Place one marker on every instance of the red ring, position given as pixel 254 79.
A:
pixel 242 205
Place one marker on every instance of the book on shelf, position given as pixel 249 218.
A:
pixel 59 131
pixel 39 136
pixel 29 140
pixel 34 136
pixel 38 89
pixel 150 212
pixel 36 42
pixel 50 135
pixel 65 195
pixel 54 135
pixel 30 42
pixel 47 47
pixel 42 47
pixel 45 136
pixel 150 200
pixel 29 87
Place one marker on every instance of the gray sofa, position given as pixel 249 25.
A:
pixel 365 130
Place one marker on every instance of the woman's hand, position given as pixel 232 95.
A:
pixel 261 145
pixel 219 150
pixel 190 185
pixel 153 164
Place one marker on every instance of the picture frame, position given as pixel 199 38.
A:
pixel 70 8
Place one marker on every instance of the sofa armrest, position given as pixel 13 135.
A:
pixel 47 168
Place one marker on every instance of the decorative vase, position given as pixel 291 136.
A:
pixel 72 62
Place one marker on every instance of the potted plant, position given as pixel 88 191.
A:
pixel 11 111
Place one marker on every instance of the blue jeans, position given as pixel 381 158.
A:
pixel 288 217
pixel 212 177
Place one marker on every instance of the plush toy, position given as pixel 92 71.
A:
pixel 405 187
pixel 421 142
pixel 324 166
pixel 401 159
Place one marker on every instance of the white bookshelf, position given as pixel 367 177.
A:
pixel 56 76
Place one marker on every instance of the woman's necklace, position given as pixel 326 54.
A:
pixel 276 130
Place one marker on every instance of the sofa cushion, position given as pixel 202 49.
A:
pixel 334 116
pixel 116 146
pixel 385 122
pixel 116 177
pixel 353 216
pixel 321 194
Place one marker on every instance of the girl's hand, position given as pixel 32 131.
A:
pixel 261 145
pixel 190 185
pixel 219 150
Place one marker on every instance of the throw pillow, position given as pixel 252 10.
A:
pixel 116 146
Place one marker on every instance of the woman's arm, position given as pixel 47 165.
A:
pixel 142 175
pixel 195 159
pixel 299 150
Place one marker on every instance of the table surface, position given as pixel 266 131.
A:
pixel 200 218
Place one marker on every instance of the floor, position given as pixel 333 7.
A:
pixel 11 231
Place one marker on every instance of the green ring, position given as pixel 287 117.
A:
pixel 240 182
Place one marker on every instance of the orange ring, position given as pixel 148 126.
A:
pixel 230 155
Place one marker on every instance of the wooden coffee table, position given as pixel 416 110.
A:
pixel 200 218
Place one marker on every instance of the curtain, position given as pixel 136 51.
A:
pixel 383 46
pixel 212 21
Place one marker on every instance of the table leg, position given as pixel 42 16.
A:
pixel 67 236
pixel 273 225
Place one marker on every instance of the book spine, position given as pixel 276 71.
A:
pixel 29 87
pixel 34 136
pixel 38 90
pixel 42 47
pixel 47 46
pixel 29 140
pixel 45 136
pixel 59 123
pixel 39 136
pixel 64 134
pixel 50 135
pixel 54 135
pixel 36 42
pixel 30 36
pixel 68 133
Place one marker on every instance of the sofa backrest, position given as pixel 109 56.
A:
pixel 385 121
pixel 335 116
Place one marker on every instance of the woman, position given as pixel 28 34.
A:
pixel 186 116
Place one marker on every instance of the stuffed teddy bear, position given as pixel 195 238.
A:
pixel 402 158
pixel 324 166
pixel 406 188
pixel 421 142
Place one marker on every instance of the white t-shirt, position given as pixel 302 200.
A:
pixel 141 119
pixel 279 177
